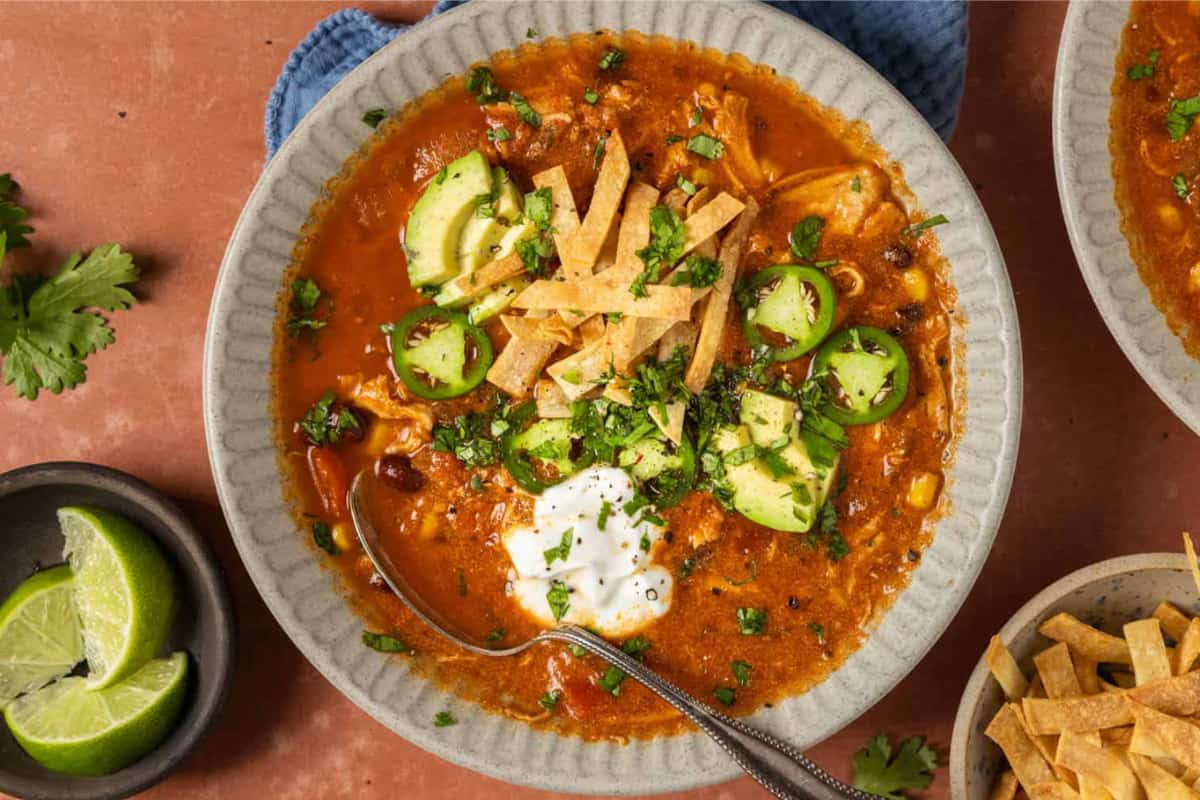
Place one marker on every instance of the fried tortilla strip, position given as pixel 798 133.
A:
pixel 1180 739
pixel 712 324
pixel 601 296
pixel 1005 670
pixel 1084 758
pixel 1148 651
pixel 538 329
pixel 681 334
pixel 1057 672
pixel 551 402
pixel 1052 791
pixel 1086 640
pixel 710 219
pixel 1036 689
pixel 491 274
pixel 1179 696
pixel 634 234
pixel 1173 621
pixel 1144 744
pixel 636 336
pixel 1005 787
pixel 579 253
pixel 592 329
pixel 564 218
pixel 1007 731
pixel 1189 550
pixel 1189 648
pixel 577 373
pixel 672 424
pixel 519 364
pixel 1085 670
pixel 1160 784
pixel 1124 680
pixel 617 390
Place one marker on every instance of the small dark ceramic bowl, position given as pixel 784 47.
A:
pixel 206 625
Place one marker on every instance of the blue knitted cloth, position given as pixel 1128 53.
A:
pixel 918 45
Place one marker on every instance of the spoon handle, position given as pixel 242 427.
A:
pixel 779 767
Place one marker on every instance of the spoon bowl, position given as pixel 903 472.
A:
pixel 780 768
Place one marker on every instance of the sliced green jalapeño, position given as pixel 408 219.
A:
pixel 866 375
pixel 794 305
pixel 439 354
pixel 529 452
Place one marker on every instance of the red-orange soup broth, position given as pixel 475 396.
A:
pixel 820 594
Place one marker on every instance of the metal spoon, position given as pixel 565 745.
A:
pixel 779 767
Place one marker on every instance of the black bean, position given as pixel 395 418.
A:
pixel 898 255
pixel 335 421
pixel 397 472
pixel 793 602
pixel 913 312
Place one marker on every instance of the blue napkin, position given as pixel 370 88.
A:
pixel 918 45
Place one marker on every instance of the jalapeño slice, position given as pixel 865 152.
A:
pixel 866 375
pixel 543 453
pixel 794 305
pixel 664 471
pixel 438 353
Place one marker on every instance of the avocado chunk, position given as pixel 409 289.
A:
pixel 768 417
pixel 435 225
pixel 757 494
pixel 487 225
pixel 497 299
pixel 453 297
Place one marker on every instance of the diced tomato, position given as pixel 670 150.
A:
pixel 329 476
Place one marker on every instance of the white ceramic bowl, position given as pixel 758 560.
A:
pixel 305 598
pixel 1108 595
pixel 1087 55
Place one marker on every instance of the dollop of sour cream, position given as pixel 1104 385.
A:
pixel 611 583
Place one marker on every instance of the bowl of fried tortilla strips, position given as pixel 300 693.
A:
pixel 1092 689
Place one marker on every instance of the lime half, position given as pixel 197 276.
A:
pixel 124 591
pixel 70 728
pixel 39 633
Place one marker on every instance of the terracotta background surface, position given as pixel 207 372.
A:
pixel 143 124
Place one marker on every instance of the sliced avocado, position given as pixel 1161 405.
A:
pixel 435 225
pixel 768 417
pixel 497 299
pixel 452 297
pixel 787 309
pixel 484 229
pixel 756 494
pixel 649 458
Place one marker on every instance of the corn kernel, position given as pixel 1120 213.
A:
pixel 1169 216
pixel 1193 283
pixel 923 491
pixel 916 282
pixel 430 523
pixel 343 536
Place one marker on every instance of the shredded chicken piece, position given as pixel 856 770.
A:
pixel 403 425
pixel 705 526
pixel 732 124
pixel 834 195
pixel 889 217
pixel 937 406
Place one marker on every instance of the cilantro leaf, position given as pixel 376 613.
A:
pixel 1180 184
pixel 525 112
pixel 741 671
pixel 1139 71
pixel 667 235
pixel 611 59
pixel 385 643
pixel 877 772
pixel 45 334
pixel 700 272
pixel 806 237
pixel 444 719
pixel 323 537
pixel 482 83
pixel 706 146
pixel 559 600
pixel 940 219
pixel 372 117
pixel 12 216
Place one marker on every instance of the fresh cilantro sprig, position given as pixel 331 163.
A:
pixel 1180 117
pixel 877 772
pixel 12 216
pixel 667 235
pixel 46 331
pixel 1139 71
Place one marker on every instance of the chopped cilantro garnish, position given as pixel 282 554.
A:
pixel 687 568
pixel 667 235
pixel 1139 71
pixel 687 186
pixel 559 600
pixel 644 544
pixel 856 184
pixel 531 33
pixel 877 772
pixel 482 83
pixel 913 230
pixel 12 216
pixel 497 634
pixel 836 548
pixel 611 59
pixel 741 672
pixel 385 643
pixel 1180 184
pixel 696 118
pixel 467 440
pixel 534 251
pixel 539 205
pixel 605 511
pixel 374 116
pixel 323 537
pixel 700 272
pixel 752 621
pixel 591 96
pixel 500 134
pixel 673 138
pixel 819 630
pixel 704 145
pixel 806 237
pixel 549 700
pixel 306 294
pixel 444 719
pixel 598 153
pixel 561 550
pixel 725 695
pixel 613 677
pixel 525 112
pixel 323 427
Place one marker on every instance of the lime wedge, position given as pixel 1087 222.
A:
pixel 124 591
pixel 70 728
pixel 39 633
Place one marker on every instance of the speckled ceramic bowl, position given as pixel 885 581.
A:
pixel 305 598
pixel 1086 67
pixel 1107 595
